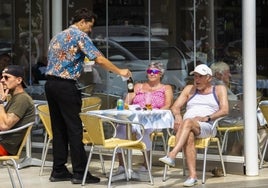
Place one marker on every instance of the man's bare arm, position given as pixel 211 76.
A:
pixel 221 93
pixel 7 120
pixel 108 65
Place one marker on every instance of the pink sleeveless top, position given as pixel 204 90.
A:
pixel 158 98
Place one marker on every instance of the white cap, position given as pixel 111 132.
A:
pixel 202 69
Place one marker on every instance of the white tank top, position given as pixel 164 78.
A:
pixel 201 105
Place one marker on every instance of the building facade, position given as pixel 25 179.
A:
pixel 200 31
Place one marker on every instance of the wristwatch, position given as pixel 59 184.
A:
pixel 1 101
pixel 209 118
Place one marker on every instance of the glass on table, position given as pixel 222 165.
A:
pixel 126 102
pixel 126 107
pixel 148 101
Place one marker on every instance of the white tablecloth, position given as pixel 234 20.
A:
pixel 156 119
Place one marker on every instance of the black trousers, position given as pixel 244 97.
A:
pixel 64 102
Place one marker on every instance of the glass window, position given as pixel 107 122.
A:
pixel 171 33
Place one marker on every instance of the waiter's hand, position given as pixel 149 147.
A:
pixel 125 73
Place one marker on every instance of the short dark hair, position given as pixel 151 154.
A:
pixel 83 13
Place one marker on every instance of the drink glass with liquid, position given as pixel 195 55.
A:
pixel 148 101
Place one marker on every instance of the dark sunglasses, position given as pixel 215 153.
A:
pixel 5 77
pixel 154 71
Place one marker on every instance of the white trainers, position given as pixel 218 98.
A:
pixel 167 160
pixel 190 182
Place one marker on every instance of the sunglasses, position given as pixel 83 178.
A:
pixel 5 77
pixel 154 71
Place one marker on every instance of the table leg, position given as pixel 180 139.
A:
pixel 118 177
pixel 133 175
pixel 140 176
pixel 129 163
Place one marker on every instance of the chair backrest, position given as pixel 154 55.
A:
pixel 107 100
pixel 264 109
pixel 28 132
pixel 94 128
pixel 43 112
pixel 27 126
pixel 90 103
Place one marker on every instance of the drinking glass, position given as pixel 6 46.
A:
pixel 148 100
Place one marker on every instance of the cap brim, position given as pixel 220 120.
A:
pixel 191 73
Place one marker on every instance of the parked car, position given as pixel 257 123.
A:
pixel 133 53
pixel 5 47
pixel 120 30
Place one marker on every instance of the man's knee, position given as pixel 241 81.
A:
pixel 188 123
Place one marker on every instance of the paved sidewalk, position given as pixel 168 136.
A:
pixel 31 178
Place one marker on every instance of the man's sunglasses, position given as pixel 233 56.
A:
pixel 154 71
pixel 5 77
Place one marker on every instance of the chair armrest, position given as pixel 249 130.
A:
pixel 17 129
pixel 113 125
pixel 88 108
pixel 216 122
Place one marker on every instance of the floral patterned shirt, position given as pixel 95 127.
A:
pixel 66 53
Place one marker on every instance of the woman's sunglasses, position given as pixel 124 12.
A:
pixel 154 71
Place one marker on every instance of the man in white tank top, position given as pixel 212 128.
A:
pixel 204 104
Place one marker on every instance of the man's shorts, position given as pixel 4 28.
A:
pixel 206 130
pixel 3 151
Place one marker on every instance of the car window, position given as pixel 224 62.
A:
pixel 115 51
pixel 135 54
pixel 175 59
pixel 141 48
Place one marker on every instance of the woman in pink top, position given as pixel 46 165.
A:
pixel 161 97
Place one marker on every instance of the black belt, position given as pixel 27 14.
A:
pixel 49 77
